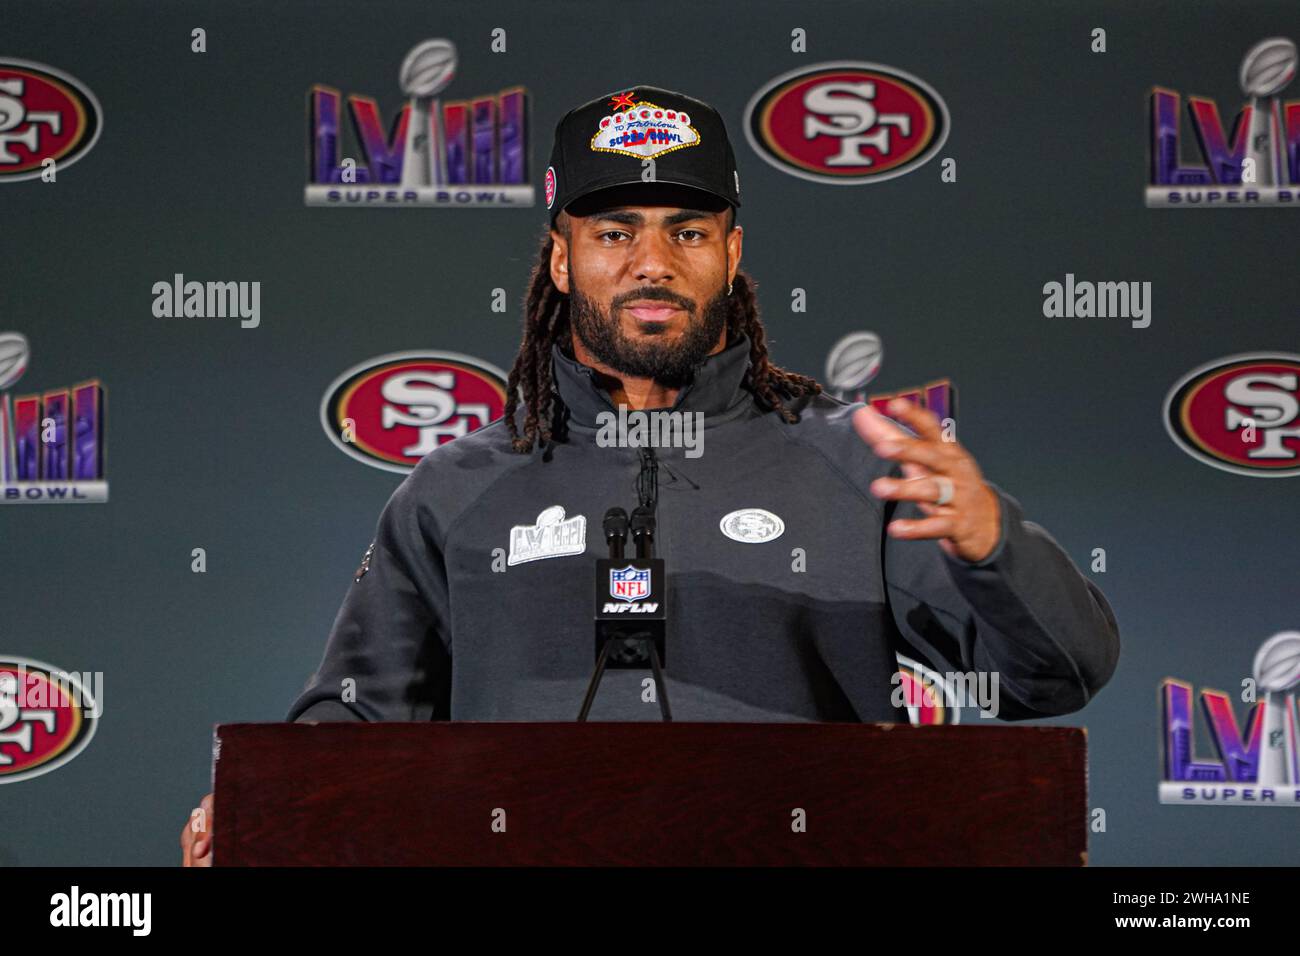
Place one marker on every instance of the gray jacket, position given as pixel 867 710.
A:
pixel 475 600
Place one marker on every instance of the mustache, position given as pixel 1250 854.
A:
pixel 655 295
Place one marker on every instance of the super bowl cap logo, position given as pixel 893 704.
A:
pixel 752 526
pixel 644 130
pixel 846 122
pixel 45 115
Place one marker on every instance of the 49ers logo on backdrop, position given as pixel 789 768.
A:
pixel 928 695
pixel 47 717
pixel 44 115
pixel 1240 413
pixel 391 411
pixel 846 122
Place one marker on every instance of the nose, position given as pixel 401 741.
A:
pixel 652 257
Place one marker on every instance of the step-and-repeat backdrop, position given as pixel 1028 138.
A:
pixel 1068 227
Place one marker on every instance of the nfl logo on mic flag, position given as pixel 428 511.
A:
pixel 629 583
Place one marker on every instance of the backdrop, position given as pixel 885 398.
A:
pixel 213 435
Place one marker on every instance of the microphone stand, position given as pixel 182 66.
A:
pixel 616 527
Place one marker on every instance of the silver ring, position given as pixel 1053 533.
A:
pixel 945 490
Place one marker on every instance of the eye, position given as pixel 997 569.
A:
pixel 604 236
pixel 693 232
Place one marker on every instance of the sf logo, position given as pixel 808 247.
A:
pixel 10 714
pixel 13 114
pixel 1272 402
pixel 424 400
pixel 846 110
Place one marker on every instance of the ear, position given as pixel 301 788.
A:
pixel 735 243
pixel 560 262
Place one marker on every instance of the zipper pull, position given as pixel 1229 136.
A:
pixel 647 482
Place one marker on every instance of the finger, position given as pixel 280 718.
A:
pixel 925 488
pixel 931 455
pixel 203 835
pixel 187 845
pixel 938 526
pixel 921 420
pixel 873 427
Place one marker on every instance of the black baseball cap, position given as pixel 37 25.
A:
pixel 602 145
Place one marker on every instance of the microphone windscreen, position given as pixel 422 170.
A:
pixel 615 523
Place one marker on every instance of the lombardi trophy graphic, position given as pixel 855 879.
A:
pixel 1266 70
pixel 426 71
pixel 1277 673
pixel 853 362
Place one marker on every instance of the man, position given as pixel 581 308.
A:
pixel 806 543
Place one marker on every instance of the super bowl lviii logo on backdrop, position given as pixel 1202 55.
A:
pixel 465 152
pixel 855 360
pixel 391 411
pixel 47 716
pixel 51 442
pixel 1240 413
pixel 1255 163
pixel 1256 765
pixel 48 121
pixel 846 122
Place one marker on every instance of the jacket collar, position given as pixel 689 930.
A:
pixel 716 390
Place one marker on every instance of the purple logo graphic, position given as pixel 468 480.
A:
pixel 1257 763
pixel 52 444
pixel 471 152
pixel 1257 163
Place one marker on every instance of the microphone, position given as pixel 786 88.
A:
pixel 643 531
pixel 615 525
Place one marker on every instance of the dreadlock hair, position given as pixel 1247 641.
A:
pixel 546 321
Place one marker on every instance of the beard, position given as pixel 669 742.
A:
pixel 671 364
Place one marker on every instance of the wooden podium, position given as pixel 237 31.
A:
pixel 648 794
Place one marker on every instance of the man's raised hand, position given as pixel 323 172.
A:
pixel 963 513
